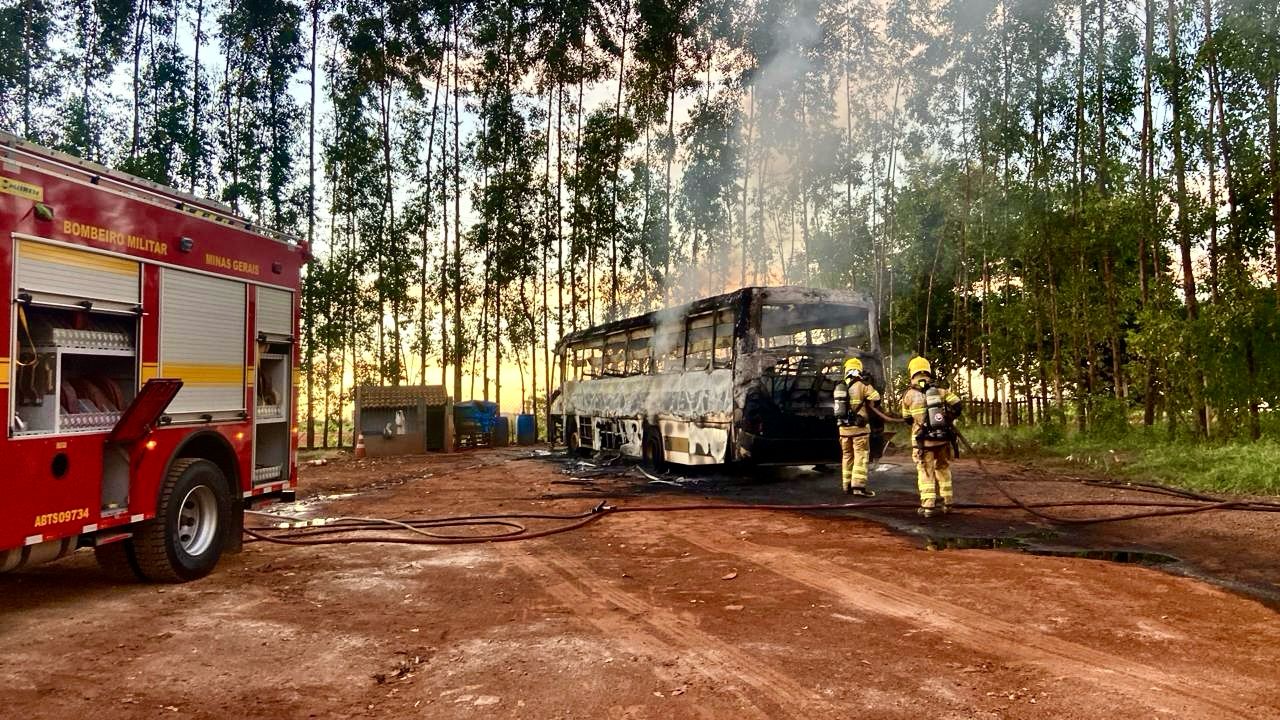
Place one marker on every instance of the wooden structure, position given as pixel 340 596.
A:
pixel 404 419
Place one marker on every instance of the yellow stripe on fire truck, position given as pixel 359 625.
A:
pixel 200 374
pixel 150 370
pixel 78 259
pixel 4 373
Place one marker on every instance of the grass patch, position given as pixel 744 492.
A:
pixel 1231 466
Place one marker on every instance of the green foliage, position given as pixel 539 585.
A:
pixel 1108 418
pixel 1014 182
pixel 1146 456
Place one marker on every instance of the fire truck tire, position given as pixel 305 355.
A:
pixel 185 540
pixel 117 560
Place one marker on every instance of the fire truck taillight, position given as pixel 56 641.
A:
pixel 151 445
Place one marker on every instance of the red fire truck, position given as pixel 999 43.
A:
pixel 148 371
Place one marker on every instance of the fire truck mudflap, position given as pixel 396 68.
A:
pixel 149 369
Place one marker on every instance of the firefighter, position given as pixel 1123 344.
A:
pixel 854 399
pixel 931 410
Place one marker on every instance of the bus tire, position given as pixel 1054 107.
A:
pixel 118 561
pixel 571 442
pixel 652 453
pixel 185 539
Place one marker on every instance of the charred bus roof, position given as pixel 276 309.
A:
pixel 777 293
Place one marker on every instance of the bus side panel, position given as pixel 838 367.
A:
pixel 694 443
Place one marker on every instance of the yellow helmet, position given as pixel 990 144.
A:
pixel 852 364
pixel 918 365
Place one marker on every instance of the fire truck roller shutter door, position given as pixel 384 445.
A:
pixel 274 312
pixel 202 342
pixel 65 276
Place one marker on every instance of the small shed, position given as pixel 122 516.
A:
pixel 404 419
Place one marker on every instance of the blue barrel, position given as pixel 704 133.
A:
pixel 501 432
pixel 526 430
pixel 474 423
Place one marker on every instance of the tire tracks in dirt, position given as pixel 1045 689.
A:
pixel 659 632
pixel 1181 695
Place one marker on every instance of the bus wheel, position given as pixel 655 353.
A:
pixel 184 541
pixel 571 442
pixel 118 561
pixel 652 451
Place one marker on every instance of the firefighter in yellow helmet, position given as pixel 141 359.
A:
pixel 931 410
pixel 855 399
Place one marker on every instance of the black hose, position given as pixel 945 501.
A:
pixel 320 534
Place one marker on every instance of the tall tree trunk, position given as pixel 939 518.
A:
pixel 426 231
pixel 445 268
pixel 195 149
pixel 546 260
pixel 1176 102
pixel 617 162
pixel 311 204
pixel 143 12
pixel 559 205
pixel 28 58
pixel 1146 243
pixel 575 222
pixel 1100 60
pixel 457 215
pixel 1273 135
pixel 1208 51
pixel 671 138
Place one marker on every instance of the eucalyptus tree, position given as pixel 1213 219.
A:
pixel 100 32
pixel 28 77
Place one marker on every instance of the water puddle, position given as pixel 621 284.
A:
pixel 1033 545
pixel 304 507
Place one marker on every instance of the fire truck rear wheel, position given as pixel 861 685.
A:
pixel 184 541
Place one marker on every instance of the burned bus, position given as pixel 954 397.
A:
pixel 742 377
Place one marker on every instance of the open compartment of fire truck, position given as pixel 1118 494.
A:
pixel 272 412
pixel 77 370
pixel 75 340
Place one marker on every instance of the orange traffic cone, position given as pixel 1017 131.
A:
pixel 360 446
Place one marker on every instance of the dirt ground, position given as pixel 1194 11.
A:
pixel 730 614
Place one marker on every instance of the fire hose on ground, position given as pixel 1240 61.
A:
pixel 512 527
pixel 420 531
